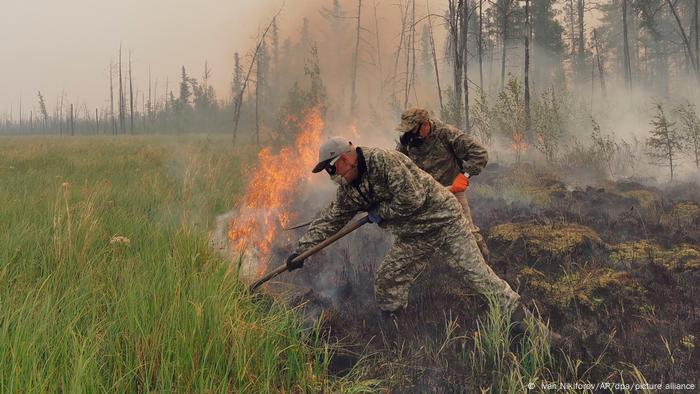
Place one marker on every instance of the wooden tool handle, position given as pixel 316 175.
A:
pixel 340 234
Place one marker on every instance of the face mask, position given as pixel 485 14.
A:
pixel 411 139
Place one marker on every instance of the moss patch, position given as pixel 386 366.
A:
pixel 683 215
pixel 683 257
pixel 586 288
pixel 547 240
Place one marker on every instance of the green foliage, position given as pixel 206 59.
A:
pixel 604 148
pixel 107 282
pixel 548 124
pixel 183 102
pixel 496 367
pixel 482 118
pixel 452 111
pixel 664 143
pixel 546 30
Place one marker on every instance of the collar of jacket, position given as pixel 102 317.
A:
pixel 361 166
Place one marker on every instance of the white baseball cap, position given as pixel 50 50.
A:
pixel 330 150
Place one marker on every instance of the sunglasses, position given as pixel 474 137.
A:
pixel 330 167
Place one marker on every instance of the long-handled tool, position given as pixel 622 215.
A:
pixel 299 225
pixel 340 234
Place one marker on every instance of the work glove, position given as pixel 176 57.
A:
pixel 460 184
pixel 292 265
pixel 373 215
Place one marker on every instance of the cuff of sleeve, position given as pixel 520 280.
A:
pixel 471 171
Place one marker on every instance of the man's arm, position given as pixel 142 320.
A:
pixel 331 219
pixel 408 195
pixel 467 149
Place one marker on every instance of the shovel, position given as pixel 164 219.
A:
pixel 340 234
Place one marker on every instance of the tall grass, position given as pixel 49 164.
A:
pixel 107 282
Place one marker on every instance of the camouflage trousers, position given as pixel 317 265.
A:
pixel 471 227
pixel 453 245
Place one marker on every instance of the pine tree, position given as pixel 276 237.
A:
pixel 42 108
pixel 665 143
pixel 185 93
pixel 546 30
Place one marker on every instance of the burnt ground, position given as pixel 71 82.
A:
pixel 614 267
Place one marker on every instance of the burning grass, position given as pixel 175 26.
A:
pixel 266 202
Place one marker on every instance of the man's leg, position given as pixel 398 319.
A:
pixel 471 227
pixel 397 272
pixel 462 254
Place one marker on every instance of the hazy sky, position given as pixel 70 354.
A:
pixel 53 45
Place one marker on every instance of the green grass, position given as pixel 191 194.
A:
pixel 79 313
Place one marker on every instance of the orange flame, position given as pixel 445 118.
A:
pixel 266 202
pixel 518 143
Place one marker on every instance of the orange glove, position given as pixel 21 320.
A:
pixel 460 184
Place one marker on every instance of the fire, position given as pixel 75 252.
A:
pixel 518 143
pixel 266 203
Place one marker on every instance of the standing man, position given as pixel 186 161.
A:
pixel 425 218
pixel 446 153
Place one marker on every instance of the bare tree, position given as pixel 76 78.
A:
pixel 691 58
pixel 131 99
pixel 122 104
pixel 626 48
pixel 239 99
pixel 355 61
pixel 435 63
pixel 111 99
pixel 599 61
pixel 72 123
pixel 528 33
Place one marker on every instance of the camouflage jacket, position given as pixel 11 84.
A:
pixel 447 152
pixel 409 201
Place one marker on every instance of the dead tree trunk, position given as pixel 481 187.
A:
pixel 581 40
pixel 72 124
pixel 504 32
pixel 466 14
pixel 685 38
pixel 404 15
pixel 257 103
pixel 527 66
pixel 410 55
pixel 481 44
pixel 149 107
pixel 111 99
pixel 435 63
pixel 696 20
pixel 131 99
pixel 121 95
pixel 60 115
pixel 97 122
pixel 601 69
pixel 626 48
pixel 355 61
pixel 454 20
pixel 379 52
pixel 239 99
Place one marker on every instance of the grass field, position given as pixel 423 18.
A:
pixel 107 283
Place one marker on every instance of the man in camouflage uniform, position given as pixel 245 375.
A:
pixel 446 153
pixel 425 218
